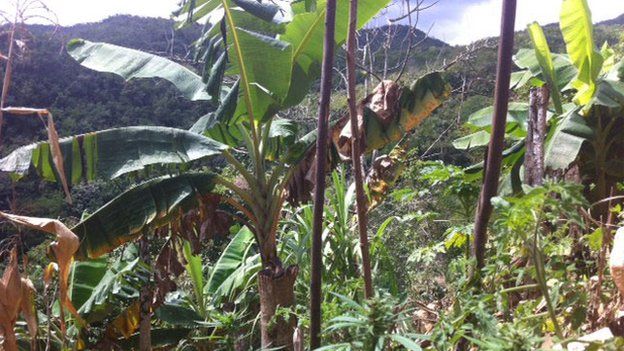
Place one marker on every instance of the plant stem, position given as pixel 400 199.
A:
pixel 356 153
pixel 540 274
pixel 6 82
pixel 321 159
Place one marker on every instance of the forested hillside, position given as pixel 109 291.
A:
pixel 83 101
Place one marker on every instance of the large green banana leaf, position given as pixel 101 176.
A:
pixel 264 66
pixel 111 153
pixel 98 288
pixel 129 64
pixel 532 71
pixel 143 207
pixel 577 29
pixel 305 33
pixel 234 268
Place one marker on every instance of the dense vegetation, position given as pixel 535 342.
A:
pixel 205 226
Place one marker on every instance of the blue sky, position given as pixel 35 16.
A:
pixel 454 21
pixel 464 21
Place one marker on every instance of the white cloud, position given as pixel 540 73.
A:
pixel 80 11
pixel 482 19
pixel 454 21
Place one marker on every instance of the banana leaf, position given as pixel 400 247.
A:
pixel 143 207
pixel 130 64
pixel 111 153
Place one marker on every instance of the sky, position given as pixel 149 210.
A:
pixel 454 21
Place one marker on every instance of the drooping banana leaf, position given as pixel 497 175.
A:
pixel 129 64
pixel 113 152
pixel 192 11
pixel 609 93
pixel 219 125
pixel 480 122
pixel 577 29
pixel 145 206
pixel 408 107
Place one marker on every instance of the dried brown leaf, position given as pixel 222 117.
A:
pixel 64 247
pixel 57 156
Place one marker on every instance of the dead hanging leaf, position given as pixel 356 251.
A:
pixel 384 172
pixel 53 139
pixel 384 118
pixel 169 265
pixel 301 183
pixel 57 156
pixel 126 323
pixel 16 295
pixel 29 311
pixel 64 247
pixel 10 298
pixel 385 101
pixel 209 220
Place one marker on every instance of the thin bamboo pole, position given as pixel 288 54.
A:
pixel 356 153
pixel 495 150
pixel 321 160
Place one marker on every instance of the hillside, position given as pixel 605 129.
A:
pixel 83 101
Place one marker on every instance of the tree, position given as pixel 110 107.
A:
pixel 258 60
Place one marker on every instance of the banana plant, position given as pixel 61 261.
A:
pixel 584 130
pixel 258 59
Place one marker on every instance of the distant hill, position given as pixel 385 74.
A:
pixel 83 100
pixel 616 21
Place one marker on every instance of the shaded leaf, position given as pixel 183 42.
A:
pixel 568 138
pixel 148 205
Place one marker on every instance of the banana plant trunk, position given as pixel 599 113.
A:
pixel 536 135
pixel 276 288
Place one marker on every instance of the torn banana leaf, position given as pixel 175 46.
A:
pixel 143 207
pixel 111 153
pixel 130 64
